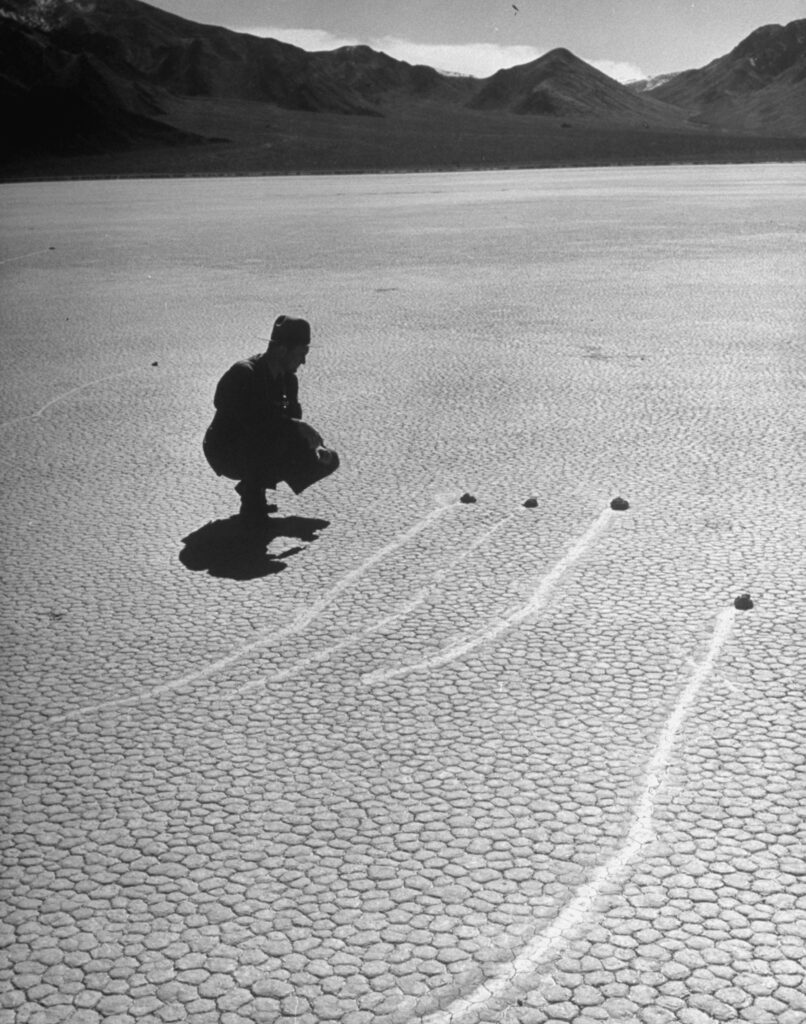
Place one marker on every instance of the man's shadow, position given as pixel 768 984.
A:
pixel 228 548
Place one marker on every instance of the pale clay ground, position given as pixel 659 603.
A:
pixel 432 761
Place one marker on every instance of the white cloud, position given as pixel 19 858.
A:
pixel 478 59
pixel 305 38
pixel 621 70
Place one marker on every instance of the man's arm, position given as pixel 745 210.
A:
pixel 292 396
pixel 234 394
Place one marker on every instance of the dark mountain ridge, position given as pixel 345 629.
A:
pixel 759 86
pixel 81 77
pixel 164 53
pixel 772 50
pixel 560 84
pixel 61 101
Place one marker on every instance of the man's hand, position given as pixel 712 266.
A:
pixel 313 437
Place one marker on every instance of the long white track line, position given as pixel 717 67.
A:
pixel 300 623
pixel 24 255
pixel 533 605
pixel 307 617
pixel 401 613
pixel 641 832
pixel 66 394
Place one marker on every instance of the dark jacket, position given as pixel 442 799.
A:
pixel 252 423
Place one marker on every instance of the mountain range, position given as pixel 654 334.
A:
pixel 760 86
pixel 118 86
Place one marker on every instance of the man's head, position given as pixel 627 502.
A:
pixel 290 340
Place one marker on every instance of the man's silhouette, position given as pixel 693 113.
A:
pixel 258 436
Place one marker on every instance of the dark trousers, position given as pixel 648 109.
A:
pixel 261 466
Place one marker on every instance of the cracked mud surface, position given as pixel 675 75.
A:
pixel 409 759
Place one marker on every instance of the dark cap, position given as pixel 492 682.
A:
pixel 291 331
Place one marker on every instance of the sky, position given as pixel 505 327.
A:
pixel 627 39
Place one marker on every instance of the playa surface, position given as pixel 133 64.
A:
pixel 403 758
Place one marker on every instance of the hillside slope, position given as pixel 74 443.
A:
pixel 59 101
pixel 560 84
pixel 760 86
pixel 163 53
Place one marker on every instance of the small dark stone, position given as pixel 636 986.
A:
pixel 467 499
pixel 530 503
pixel 743 602
pixel 155 363
pixel 619 504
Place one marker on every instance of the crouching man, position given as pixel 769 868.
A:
pixel 258 436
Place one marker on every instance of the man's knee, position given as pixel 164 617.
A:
pixel 311 467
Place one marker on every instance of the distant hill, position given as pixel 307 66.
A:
pixel 144 55
pixel 760 86
pixel 383 81
pixel 560 84
pixel 82 76
pixel 119 86
pixel 61 101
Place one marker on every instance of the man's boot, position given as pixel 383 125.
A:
pixel 254 508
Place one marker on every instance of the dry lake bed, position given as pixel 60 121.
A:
pixel 403 758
